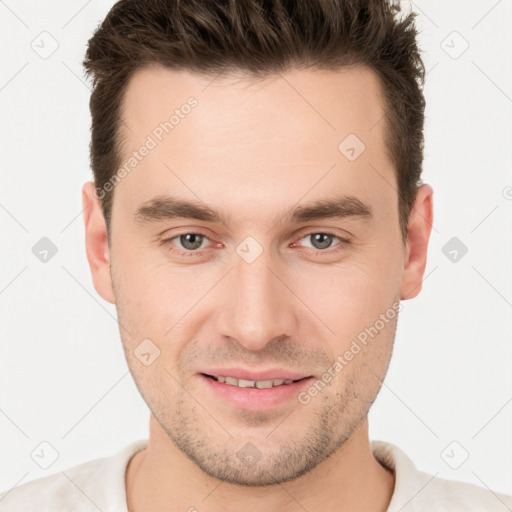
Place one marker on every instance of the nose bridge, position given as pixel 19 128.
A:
pixel 261 307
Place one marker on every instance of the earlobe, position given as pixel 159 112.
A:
pixel 418 235
pixel 96 243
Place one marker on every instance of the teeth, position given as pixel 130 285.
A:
pixel 260 384
pixel 231 380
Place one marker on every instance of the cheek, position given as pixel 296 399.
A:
pixel 354 291
pixel 146 286
pixel 164 303
pixel 350 298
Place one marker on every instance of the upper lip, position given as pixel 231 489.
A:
pixel 242 373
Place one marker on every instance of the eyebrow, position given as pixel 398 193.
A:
pixel 168 207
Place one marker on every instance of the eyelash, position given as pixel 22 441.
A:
pixel 316 252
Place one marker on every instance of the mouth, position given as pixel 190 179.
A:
pixel 254 395
pixel 258 384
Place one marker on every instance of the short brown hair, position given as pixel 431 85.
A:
pixel 259 37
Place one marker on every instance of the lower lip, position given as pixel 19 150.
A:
pixel 253 399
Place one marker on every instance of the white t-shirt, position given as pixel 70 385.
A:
pixel 100 485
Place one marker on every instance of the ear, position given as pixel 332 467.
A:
pixel 96 243
pixel 418 235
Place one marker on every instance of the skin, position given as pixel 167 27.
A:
pixel 256 149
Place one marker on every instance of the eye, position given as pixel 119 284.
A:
pixel 192 244
pixel 324 240
pixel 188 244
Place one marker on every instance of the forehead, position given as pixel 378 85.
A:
pixel 348 98
pixel 284 134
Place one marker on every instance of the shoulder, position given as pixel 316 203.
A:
pixel 463 496
pixel 417 491
pixel 91 486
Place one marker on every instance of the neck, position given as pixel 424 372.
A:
pixel 161 478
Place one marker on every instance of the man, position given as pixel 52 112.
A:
pixel 256 211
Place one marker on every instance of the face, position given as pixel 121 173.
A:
pixel 266 276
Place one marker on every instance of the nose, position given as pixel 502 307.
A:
pixel 259 306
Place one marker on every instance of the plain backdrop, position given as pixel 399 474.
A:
pixel 447 398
